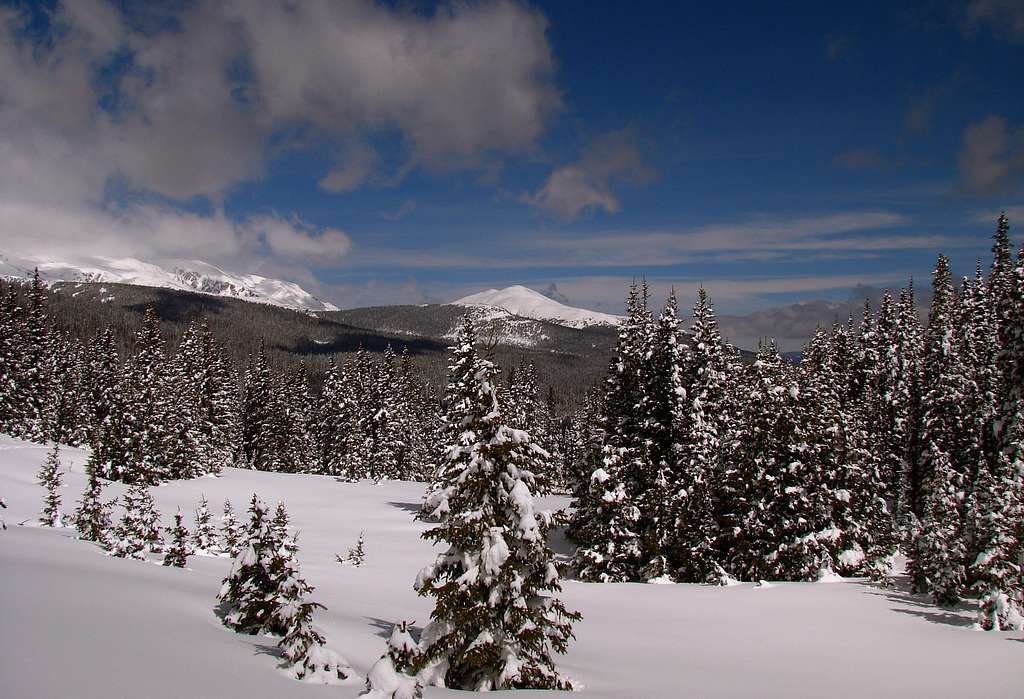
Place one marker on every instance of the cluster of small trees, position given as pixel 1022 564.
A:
pixel 886 434
pixel 138 530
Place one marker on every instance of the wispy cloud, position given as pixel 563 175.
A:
pixel 991 158
pixel 587 184
pixel 859 159
pixel 1004 17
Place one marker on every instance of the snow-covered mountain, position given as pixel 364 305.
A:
pixel 182 275
pixel 528 303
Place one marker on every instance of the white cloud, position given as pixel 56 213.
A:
pixel 991 157
pixel 572 189
pixel 191 111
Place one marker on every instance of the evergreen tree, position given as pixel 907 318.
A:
pixel 392 676
pixel 145 397
pixel 259 422
pixel 495 624
pixel 178 552
pixel 204 538
pixel 139 528
pixel 49 478
pixel 248 596
pixel 92 518
pixel 305 654
pixel 11 358
pixel 34 387
pixel 707 426
pixel 948 455
pixel 232 533
pixel 607 519
pixel 996 508
pixel 280 525
pixel 779 527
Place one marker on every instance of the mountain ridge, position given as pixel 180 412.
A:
pixel 180 275
pixel 525 302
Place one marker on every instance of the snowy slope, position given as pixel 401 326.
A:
pixel 74 622
pixel 183 275
pixel 528 303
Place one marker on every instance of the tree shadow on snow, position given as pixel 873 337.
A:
pixel 921 605
pixel 412 507
pixel 263 648
pixel 383 627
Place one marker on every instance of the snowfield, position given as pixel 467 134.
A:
pixel 74 622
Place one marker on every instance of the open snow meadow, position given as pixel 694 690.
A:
pixel 75 622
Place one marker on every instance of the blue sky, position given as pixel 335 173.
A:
pixel 402 153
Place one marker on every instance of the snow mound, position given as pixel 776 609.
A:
pixel 528 303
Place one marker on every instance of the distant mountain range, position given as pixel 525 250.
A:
pixel 527 303
pixel 180 275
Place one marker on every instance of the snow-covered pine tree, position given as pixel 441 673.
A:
pixel 231 532
pixel 92 518
pixel 462 367
pixel 146 401
pixel 328 425
pixel 496 623
pixel 11 358
pixel 215 392
pixel 668 523
pixel 248 596
pixel 280 525
pixel 707 426
pixel 101 376
pixel 204 538
pixel 181 419
pixel 178 551
pixel 995 508
pixel 259 423
pixel 49 477
pixel 66 410
pixel 606 519
pixel 305 655
pixel 948 456
pixel 293 450
pixel 34 388
pixel 139 529
pixel 393 675
pixel 777 533
pixel 357 555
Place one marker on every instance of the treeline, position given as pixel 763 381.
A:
pixel 888 435
pixel 158 415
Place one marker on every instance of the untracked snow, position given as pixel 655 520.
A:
pixel 75 622
pixel 182 275
pixel 527 303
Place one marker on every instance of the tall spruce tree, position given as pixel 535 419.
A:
pixel 607 518
pixel 496 623
pixel 49 477
pixel 947 456
pixel 92 518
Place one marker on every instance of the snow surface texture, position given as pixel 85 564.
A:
pixel 182 275
pixel 527 303
pixel 74 622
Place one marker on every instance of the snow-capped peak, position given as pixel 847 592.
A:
pixel 182 275
pixel 528 303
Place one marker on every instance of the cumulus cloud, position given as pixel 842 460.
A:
pixel 100 118
pixel 609 159
pixel 991 157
